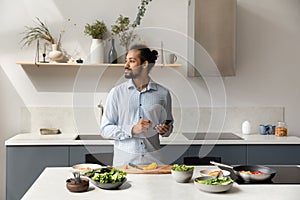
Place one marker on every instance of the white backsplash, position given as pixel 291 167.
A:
pixel 230 119
pixel 67 119
pixel 87 119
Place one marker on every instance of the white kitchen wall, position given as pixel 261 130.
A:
pixel 87 120
pixel 268 61
pixel 10 108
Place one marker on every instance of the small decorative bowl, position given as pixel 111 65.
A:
pixel 72 186
pixel 213 172
pixel 85 167
pixel 182 176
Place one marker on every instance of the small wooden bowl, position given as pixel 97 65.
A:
pixel 83 186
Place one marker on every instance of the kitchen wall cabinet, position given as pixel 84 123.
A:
pixel 212 25
pixel 25 163
pixel 273 154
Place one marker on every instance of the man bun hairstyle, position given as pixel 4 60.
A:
pixel 146 54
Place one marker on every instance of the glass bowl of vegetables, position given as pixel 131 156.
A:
pixel 182 173
pixel 210 184
pixel 107 177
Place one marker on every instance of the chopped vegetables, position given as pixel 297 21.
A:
pixel 106 175
pixel 84 168
pixel 214 173
pixel 151 166
pixel 249 172
pixel 216 181
pixel 182 168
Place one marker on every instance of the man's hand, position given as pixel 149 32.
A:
pixel 162 128
pixel 142 126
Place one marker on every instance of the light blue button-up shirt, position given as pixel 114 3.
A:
pixel 125 106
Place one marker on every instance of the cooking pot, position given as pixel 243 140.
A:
pixel 267 173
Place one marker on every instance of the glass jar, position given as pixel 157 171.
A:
pixel 281 129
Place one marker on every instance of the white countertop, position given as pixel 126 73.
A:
pixel 173 139
pixel 51 184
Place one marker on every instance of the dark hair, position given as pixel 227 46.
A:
pixel 146 54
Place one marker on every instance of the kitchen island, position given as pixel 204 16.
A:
pixel 28 154
pixel 51 184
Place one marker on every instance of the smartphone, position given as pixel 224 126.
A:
pixel 167 122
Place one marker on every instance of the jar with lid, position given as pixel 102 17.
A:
pixel 281 129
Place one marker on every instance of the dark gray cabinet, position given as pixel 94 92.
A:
pixel 272 154
pixel 171 154
pixel 25 163
pixel 229 154
pixel 80 154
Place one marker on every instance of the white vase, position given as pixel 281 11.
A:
pixel 97 51
pixel 246 127
pixel 55 55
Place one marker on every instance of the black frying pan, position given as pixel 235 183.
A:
pixel 267 173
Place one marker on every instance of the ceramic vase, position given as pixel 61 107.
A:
pixel 55 55
pixel 97 51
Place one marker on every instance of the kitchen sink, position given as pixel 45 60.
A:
pixel 90 137
pixel 211 136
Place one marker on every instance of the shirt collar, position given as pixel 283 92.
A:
pixel 151 85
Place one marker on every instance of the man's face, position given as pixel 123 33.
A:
pixel 133 67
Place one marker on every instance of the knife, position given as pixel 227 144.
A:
pixel 135 166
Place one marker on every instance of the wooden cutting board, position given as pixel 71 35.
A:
pixel 162 169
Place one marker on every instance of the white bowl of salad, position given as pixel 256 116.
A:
pixel 107 177
pixel 209 184
pixel 182 173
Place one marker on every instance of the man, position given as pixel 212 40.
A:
pixel 136 111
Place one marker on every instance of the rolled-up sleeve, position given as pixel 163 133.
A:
pixel 109 128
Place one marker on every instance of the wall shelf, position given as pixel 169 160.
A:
pixel 39 64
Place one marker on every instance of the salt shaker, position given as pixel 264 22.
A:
pixel 246 127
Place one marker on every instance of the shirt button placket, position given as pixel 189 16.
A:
pixel 140 106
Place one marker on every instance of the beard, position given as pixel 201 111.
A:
pixel 131 75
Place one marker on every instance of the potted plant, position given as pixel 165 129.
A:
pixel 125 30
pixel 41 31
pixel 97 31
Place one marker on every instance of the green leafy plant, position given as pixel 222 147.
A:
pixel 124 29
pixel 96 30
pixel 141 12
